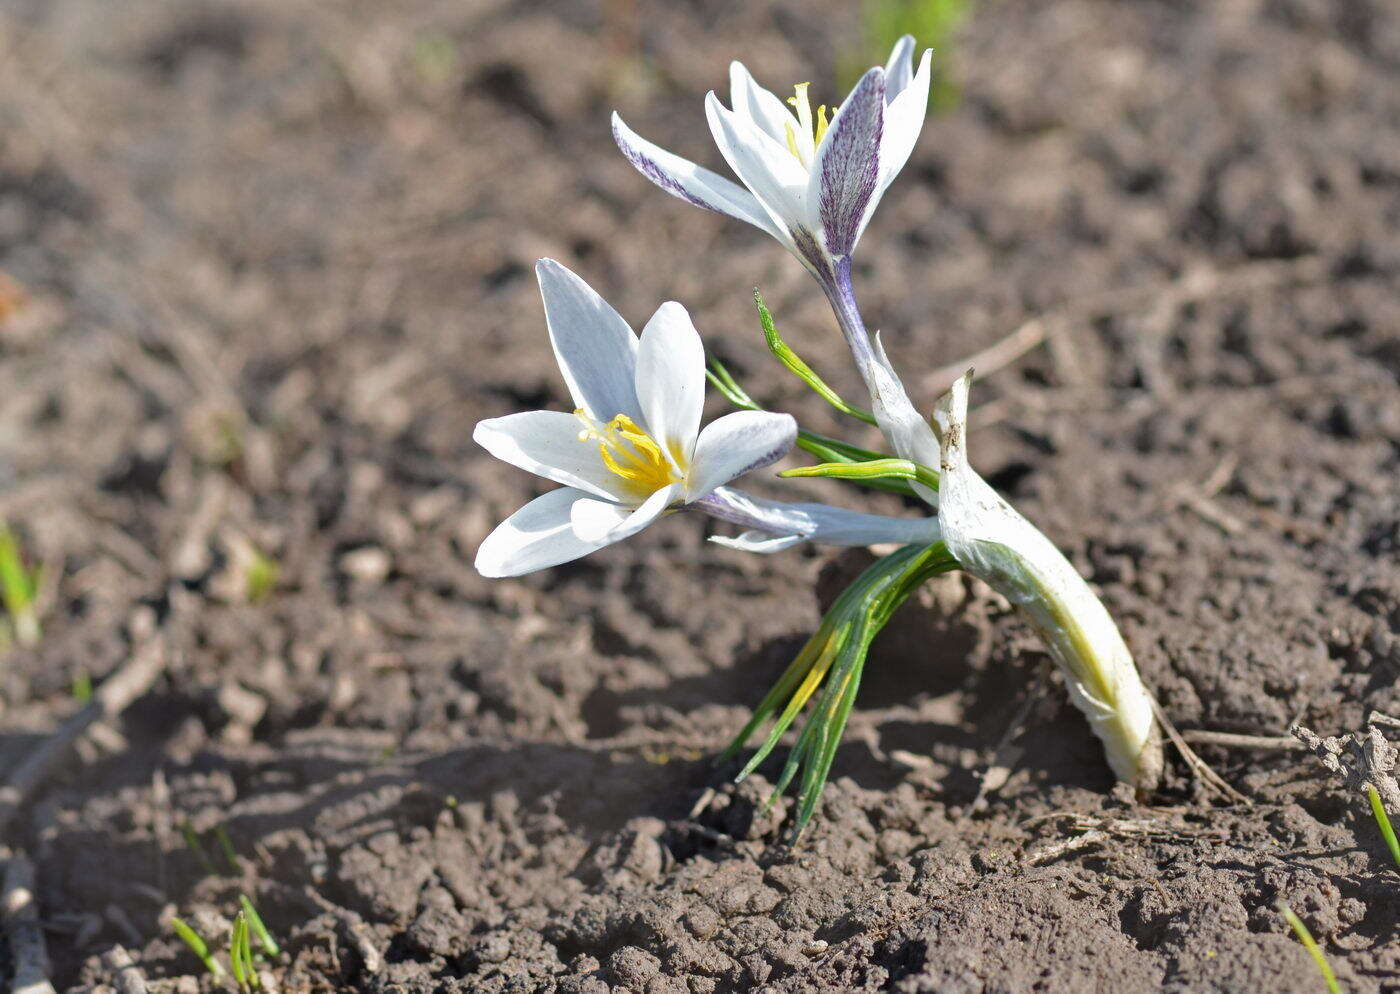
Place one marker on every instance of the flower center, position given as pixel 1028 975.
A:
pixel 804 145
pixel 630 454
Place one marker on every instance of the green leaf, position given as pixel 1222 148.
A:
pixel 1383 820
pixel 197 945
pixel 885 468
pixel 255 922
pixel 799 368
pixel 835 657
pixel 1310 944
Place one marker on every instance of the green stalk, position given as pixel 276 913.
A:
pixel 255 922
pixel 197 946
pixel 18 586
pixel 1383 820
pixel 1310 944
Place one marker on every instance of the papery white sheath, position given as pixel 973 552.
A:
pixel 811 184
pixel 997 545
pixel 633 448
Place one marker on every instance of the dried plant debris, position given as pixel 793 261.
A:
pixel 1361 759
pixel 1366 763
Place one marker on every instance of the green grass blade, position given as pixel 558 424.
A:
pixel 18 589
pixel 1383 820
pixel 799 697
pixel 226 849
pixel 255 922
pixel 236 944
pixel 192 841
pixel 721 379
pixel 1310 944
pixel 197 946
pixel 799 368
pixel 833 728
pixel 793 675
pixel 873 469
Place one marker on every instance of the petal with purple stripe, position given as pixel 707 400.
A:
pixel 691 183
pixel 845 176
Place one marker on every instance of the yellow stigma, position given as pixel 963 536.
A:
pixel 630 454
pixel 816 129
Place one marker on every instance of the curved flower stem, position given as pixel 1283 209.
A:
pixel 908 432
pixel 841 293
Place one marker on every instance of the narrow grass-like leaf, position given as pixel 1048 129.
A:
pixel 826 654
pixel 240 955
pixel 833 726
pixel 1383 820
pixel 255 922
pixel 799 368
pixel 843 641
pixel 791 677
pixel 226 849
pixel 874 469
pixel 18 586
pixel 1310 944
pixel 720 378
pixel 192 841
pixel 197 946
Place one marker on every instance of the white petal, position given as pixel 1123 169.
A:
pixel 546 443
pixel 596 350
pixel 604 522
pixel 691 183
pixel 904 119
pixel 535 537
pixel 843 188
pixel 759 542
pixel 759 105
pixel 899 69
pixel 767 168
pixel 736 444
pixel 671 381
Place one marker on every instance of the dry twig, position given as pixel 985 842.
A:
pixel 28 955
pixel 132 680
pixel 1231 740
pixel 1199 766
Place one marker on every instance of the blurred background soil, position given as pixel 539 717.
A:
pixel 271 261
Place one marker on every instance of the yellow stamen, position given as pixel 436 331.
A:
pixel 802 104
pixel 631 454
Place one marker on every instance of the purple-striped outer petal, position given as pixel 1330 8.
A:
pixel 846 173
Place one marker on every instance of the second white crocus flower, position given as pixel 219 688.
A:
pixel 633 448
pixel 811 183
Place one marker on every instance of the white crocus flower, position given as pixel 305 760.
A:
pixel 810 183
pixel 633 449
pixel 998 546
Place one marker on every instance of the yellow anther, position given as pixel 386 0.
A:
pixel 630 454
pixel 809 129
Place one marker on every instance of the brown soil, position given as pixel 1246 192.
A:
pixel 277 255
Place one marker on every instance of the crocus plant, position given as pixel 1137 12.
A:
pixel 632 450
